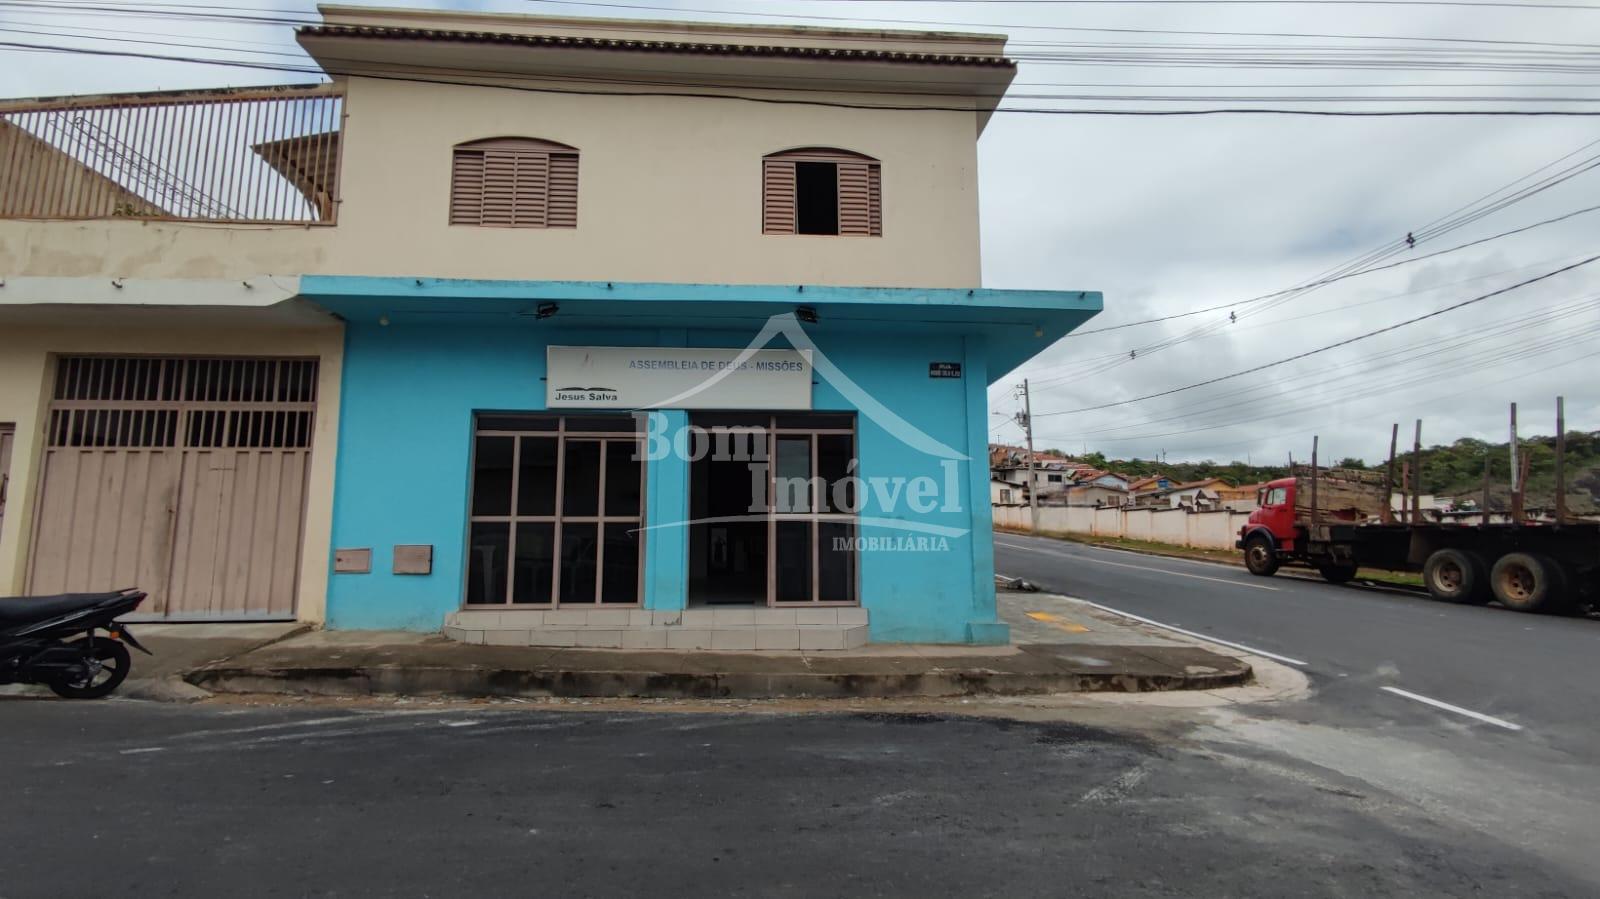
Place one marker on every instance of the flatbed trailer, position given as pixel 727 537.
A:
pixel 1529 567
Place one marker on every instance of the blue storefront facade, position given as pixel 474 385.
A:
pixel 605 333
pixel 899 374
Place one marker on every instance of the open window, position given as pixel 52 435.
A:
pixel 514 182
pixel 820 190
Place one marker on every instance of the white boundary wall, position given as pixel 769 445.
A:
pixel 1179 527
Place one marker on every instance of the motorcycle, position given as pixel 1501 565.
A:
pixel 40 642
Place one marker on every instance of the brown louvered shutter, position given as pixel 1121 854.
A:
pixel 859 208
pixel 777 197
pixel 875 200
pixel 532 190
pixel 499 189
pixel 514 183
pixel 563 199
pixel 466 188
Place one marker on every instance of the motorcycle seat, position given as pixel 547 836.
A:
pixel 22 609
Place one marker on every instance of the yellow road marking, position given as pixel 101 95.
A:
pixel 1071 627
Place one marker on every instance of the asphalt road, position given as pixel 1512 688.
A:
pixel 127 798
pixel 1348 790
pixel 1529 774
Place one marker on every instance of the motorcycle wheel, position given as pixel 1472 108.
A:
pixel 114 664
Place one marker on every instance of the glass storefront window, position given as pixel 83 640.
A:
pixel 545 490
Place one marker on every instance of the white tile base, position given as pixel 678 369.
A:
pixel 733 630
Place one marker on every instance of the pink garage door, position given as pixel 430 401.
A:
pixel 183 477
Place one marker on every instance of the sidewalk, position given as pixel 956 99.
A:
pixel 1060 646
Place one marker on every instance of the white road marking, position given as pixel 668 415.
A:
pixel 1199 636
pixel 1487 719
pixel 144 749
pixel 1117 788
pixel 1149 555
pixel 280 725
pixel 1198 577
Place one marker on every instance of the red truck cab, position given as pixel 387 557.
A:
pixel 1270 529
pixel 1274 512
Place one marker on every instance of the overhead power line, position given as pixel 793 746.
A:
pixel 1335 345
pixel 1459 217
pixel 1278 293
pixel 294 53
pixel 1338 309
pixel 1539 348
pixel 1435 353
pixel 287 16
pixel 1488 4
pixel 399 74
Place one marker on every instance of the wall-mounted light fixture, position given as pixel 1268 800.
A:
pixel 545 310
pixel 806 314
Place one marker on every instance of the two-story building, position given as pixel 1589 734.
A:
pixel 537 330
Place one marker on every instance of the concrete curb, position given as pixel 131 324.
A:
pixel 1295 573
pixel 473 682
pixel 177 687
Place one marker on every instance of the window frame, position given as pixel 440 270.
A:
pixel 558 518
pixel 521 150
pixel 813 515
pixel 773 189
pixel 769 431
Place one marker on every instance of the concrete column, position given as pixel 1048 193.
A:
pixel 983 626
pixel 666 548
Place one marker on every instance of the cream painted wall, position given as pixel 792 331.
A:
pixel 26 367
pixel 669 190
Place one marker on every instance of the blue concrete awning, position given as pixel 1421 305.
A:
pixel 1016 324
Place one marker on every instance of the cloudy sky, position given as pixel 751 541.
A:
pixel 1168 215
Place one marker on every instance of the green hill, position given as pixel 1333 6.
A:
pixel 1454 470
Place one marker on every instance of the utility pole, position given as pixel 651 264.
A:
pixel 1388 481
pixel 1416 476
pixel 1486 487
pixel 1516 481
pixel 1316 512
pixel 1033 482
pixel 1561 460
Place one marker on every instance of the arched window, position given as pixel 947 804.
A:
pixel 514 182
pixel 821 190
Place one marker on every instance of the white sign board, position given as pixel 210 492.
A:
pixel 605 377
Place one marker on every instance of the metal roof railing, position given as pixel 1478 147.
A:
pixel 258 155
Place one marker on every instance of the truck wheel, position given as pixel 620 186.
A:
pixel 1455 575
pixel 1260 556
pixel 1337 573
pixel 1528 582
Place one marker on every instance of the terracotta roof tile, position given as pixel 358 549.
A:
pixel 385 32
